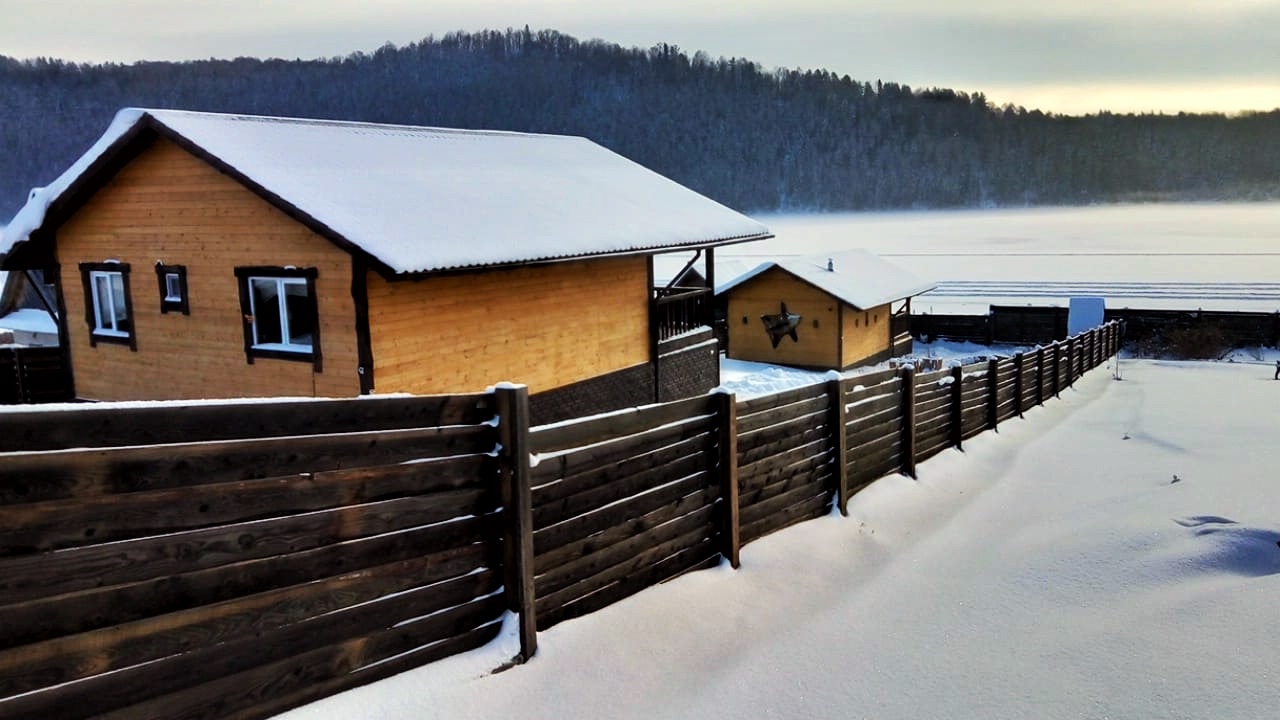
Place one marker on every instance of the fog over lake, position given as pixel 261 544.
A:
pixel 1220 256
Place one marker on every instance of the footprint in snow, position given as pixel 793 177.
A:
pixel 1235 549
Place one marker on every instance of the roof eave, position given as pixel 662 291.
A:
pixel 633 252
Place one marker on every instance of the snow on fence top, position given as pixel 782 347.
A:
pixel 419 199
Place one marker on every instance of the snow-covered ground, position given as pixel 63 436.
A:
pixel 1113 554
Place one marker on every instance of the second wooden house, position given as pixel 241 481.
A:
pixel 822 312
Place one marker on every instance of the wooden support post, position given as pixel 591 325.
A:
pixel 1040 376
pixel 1057 367
pixel 957 406
pixel 1071 362
pixel 727 472
pixel 993 393
pixel 908 449
pixel 837 420
pixel 1017 383
pixel 512 403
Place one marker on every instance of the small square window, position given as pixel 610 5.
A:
pixel 172 280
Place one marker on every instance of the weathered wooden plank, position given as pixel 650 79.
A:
pixel 891 429
pixel 94 608
pixel 751 406
pixel 639 462
pixel 577 462
pixel 114 691
pixel 29 577
pixel 584 502
pixel 624 570
pixel 873 405
pixel 701 554
pixel 748 441
pixel 862 393
pixel 774 497
pixel 624 423
pixel 807 509
pixel 782 444
pixel 875 419
pixel 547 540
pixel 930 447
pixel 927 405
pixel 781 414
pixel 36 527
pixel 974 403
pixel 637 521
pixel 939 416
pixel 111 426
pixel 798 461
pixel 56 475
pixel 874 467
pixel 584 568
pixel 974 391
pixel 272 689
pixel 927 435
pixel 78 656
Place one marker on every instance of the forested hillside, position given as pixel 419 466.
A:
pixel 755 139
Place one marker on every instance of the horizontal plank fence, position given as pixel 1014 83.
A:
pixel 238 559
pixel 622 502
pixel 785 459
pixel 223 577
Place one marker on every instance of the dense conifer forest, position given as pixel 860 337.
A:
pixel 755 139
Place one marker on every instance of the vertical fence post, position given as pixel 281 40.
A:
pixel 957 406
pixel 908 449
pixel 1017 382
pixel 993 393
pixel 1057 368
pixel 727 472
pixel 1040 376
pixel 837 420
pixel 1071 362
pixel 512 403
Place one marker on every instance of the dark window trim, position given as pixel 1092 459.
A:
pixel 250 352
pixel 86 270
pixel 181 305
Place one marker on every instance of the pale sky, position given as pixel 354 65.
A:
pixel 1071 57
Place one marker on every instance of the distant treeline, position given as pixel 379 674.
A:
pixel 755 139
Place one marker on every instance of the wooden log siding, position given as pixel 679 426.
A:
pixel 243 577
pixel 621 502
pixel 787 451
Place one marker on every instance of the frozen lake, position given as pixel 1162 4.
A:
pixel 1213 256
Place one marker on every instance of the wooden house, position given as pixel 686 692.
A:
pixel 204 255
pixel 829 311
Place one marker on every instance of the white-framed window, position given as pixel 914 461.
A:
pixel 172 281
pixel 108 307
pixel 280 314
pixel 172 287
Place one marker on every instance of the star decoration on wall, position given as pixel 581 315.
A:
pixel 781 325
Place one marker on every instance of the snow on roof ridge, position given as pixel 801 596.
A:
pixel 416 202
pixel 160 113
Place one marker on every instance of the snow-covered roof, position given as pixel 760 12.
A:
pixel 29 320
pixel 419 199
pixel 857 277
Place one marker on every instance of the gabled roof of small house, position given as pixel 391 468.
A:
pixel 419 199
pixel 856 277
